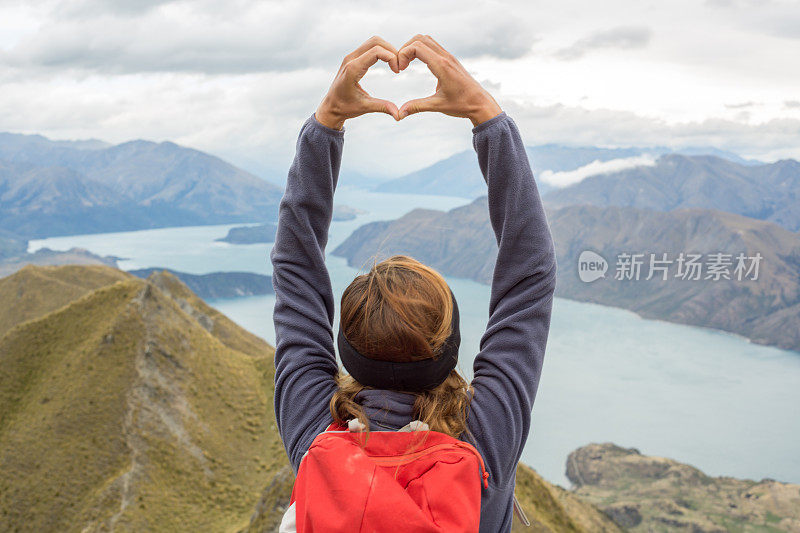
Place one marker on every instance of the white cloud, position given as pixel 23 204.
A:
pixel 623 38
pixel 247 36
pixel 565 179
pixel 237 78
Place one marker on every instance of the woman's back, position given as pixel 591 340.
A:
pixel 508 366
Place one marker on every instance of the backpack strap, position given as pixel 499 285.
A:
pixel 521 513
pixel 415 425
pixel 355 426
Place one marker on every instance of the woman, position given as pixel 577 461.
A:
pixel 400 312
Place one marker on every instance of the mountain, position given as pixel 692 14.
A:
pixel 36 291
pixel 16 145
pixel 131 405
pixel 459 175
pixel 461 243
pixel 654 494
pixel 766 191
pixel 52 188
pixel 217 284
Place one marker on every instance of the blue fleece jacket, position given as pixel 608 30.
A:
pixel 508 366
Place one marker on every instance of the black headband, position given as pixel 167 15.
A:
pixel 413 376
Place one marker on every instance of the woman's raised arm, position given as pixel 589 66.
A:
pixel 305 361
pixel 509 364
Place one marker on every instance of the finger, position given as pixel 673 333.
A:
pixel 376 105
pixel 430 103
pixel 436 46
pixel 359 66
pixel 425 39
pixel 423 52
pixel 369 43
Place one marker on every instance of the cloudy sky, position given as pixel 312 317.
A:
pixel 237 78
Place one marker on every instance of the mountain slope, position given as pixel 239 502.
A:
pixel 461 243
pixel 35 291
pixel 54 188
pixel 768 191
pixel 134 407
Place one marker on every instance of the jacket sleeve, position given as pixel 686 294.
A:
pixel 305 360
pixel 509 364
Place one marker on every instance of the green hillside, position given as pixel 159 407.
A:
pixel 133 408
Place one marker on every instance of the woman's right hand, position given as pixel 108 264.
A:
pixel 346 98
pixel 457 93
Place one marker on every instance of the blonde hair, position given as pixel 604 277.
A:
pixel 402 310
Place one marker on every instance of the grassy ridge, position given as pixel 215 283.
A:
pixel 121 410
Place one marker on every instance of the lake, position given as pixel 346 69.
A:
pixel 703 397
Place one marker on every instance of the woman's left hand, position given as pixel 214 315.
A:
pixel 346 98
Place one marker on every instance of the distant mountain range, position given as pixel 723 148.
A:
pixel 130 404
pixel 50 188
pixel 461 243
pixel 459 175
pixel 766 191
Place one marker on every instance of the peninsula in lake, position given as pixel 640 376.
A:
pixel 217 285
pixel 14 255
pixel 265 233
pixel 461 243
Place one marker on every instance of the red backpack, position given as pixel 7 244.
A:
pixel 420 481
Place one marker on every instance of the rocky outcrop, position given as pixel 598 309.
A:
pixel 642 493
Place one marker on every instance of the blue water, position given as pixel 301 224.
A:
pixel 702 397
